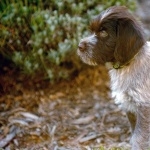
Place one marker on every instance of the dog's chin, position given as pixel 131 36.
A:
pixel 88 61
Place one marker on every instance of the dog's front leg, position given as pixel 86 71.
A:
pixel 132 119
pixel 141 134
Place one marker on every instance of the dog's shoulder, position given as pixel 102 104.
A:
pixel 131 85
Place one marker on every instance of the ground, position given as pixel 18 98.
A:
pixel 77 114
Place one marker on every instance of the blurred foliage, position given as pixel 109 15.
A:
pixel 41 36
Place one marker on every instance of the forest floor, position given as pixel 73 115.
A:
pixel 70 115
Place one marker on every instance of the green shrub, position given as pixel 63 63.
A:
pixel 41 37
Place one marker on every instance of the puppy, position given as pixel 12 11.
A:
pixel 117 41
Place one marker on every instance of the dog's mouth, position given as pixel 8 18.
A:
pixel 86 58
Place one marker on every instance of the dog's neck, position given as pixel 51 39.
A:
pixel 117 65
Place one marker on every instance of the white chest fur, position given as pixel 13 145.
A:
pixel 130 85
pixel 122 91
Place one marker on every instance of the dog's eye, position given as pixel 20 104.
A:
pixel 103 33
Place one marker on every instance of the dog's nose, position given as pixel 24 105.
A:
pixel 82 46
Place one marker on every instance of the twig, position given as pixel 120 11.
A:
pixel 91 137
pixel 9 137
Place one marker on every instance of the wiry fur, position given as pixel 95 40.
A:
pixel 131 84
pixel 117 38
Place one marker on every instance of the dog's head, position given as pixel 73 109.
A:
pixel 115 37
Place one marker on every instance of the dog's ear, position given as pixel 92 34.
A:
pixel 129 40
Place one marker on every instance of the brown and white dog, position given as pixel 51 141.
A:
pixel 117 41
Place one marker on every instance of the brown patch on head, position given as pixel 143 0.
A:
pixel 130 36
pixel 119 36
pixel 95 24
